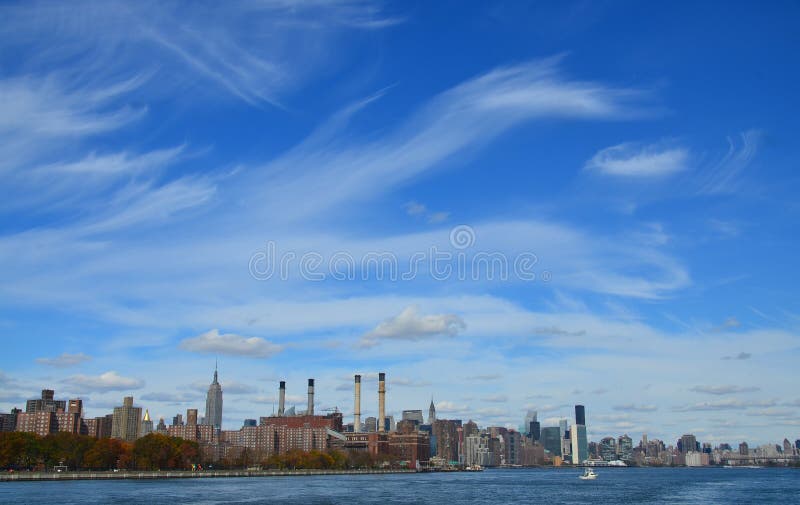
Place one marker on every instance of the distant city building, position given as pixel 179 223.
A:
pixel 608 449
pixel 213 415
pixel 46 403
pixel 431 413
pixel 161 427
pixel 8 422
pixel 177 420
pixel 535 431
pixel 250 422
pixel 744 450
pixel 551 440
pixel 687 443
pixel 147 425
pixel 371 424
pixel 625 448
pixel 126 422
pixel 580 415
pixel 191 417
pixel 580 445
pixel 413 415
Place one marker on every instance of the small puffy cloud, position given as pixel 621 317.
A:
pixel 724 390
pixel 635 408
pixel 420 210
pixel 410 325
pixel 212 342
pixel 633 160
pixel 65 360
pixel 109 381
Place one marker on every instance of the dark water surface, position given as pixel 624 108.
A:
pixel 631 485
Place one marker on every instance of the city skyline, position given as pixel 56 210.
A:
pixel 509 207
pixel 564 423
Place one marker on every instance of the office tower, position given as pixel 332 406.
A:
pixel 608 449
pixel 431 413
pixel 534 431
pixel 688 443
pixel 530 417
pixel 413 415
pixel 147 425
pixel 126 421
pixel 579 444
pixel 580 415
pixel 191 417
pixel 625 448
pixel 177 420
pixel 46 403
pixel 214 403
pixel 381 401
pixel 357 404
pixel 551 440
pixel 562 423
pixel 370 424
pixel 250 422
pixel 161 427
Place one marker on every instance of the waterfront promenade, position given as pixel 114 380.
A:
pixel 178 474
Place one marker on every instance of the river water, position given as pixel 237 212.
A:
pixel 552 486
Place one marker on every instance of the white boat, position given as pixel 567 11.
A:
pixel 588 475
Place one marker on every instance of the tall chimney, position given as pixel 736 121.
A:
pixel 310 409
pixel 357 409
pixel 381 402
pixel 282 398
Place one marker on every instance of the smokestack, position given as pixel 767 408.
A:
pixel 310 409
pixel 381 402
pixel 357 409
pixel 282 398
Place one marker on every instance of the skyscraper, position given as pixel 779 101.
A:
pixel 580 415
pixel 551 439
pixel 431 413
pixel 214 403
pixel 147 425
pixel 126 421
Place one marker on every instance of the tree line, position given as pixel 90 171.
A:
pixel 28 451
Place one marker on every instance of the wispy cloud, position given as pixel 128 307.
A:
pixel 630 407
pixel 724 390
pixel 633 160
pixel 724 176
pixel 65 360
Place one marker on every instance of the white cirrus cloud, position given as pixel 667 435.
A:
pixel 108 381
pixel 65 360
pixel 410 325
pixel 635 408
pixel 212 342
pixel 639 161
pixel 724 389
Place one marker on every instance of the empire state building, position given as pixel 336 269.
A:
pixel 214 403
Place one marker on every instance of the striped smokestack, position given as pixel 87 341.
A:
pixel 281 398
pixel 381 402
pixel 310 409
pixel 357 409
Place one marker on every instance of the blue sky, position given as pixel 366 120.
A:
pixel 645 154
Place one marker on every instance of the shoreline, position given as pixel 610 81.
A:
pixel 180 474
